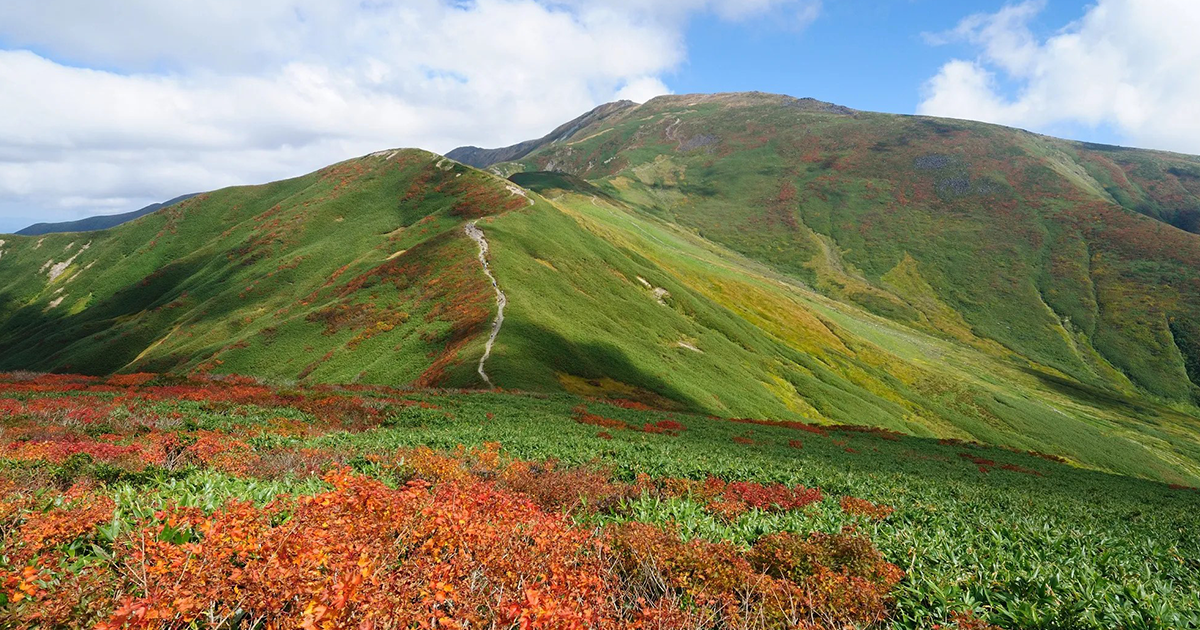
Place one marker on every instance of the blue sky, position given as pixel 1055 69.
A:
pixel 107 107
pixel 866 54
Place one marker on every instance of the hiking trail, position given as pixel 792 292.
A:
pixel 476 235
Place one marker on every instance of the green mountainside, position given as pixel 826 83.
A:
pixel 740 255
pixel 360 271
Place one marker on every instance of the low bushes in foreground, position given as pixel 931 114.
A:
pixel 462 553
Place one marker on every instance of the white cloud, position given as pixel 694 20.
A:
pixel 674 10
pixel 642 89
pixel 1126 64
pixel 131 102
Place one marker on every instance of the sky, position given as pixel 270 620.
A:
pixel 110 106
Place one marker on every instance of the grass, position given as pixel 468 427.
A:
pixel 1014 233
pixel 356 272
pixel 577 271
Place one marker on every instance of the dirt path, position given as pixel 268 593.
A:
pixel 476 235
pixel 670 133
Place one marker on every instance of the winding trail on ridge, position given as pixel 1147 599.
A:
pixel 476 235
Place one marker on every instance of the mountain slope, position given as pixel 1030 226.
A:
pixel 102 222
pixel 605 301
pixel 735 255
pixel 968 231
pixel 360 271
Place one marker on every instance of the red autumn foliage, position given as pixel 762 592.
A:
pixel 668 427
pixel 786 581
pixel 461 554
pixel 862 507
pixel 774 497
pixel 799 426
pixel 582 416
pixel 471 556
pixel 983 463
pixel 470 538
pixel 879 432
pixel 1020 469
pixel 572 490
pixel 729 500
pixel 629 404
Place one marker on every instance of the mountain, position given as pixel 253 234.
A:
pixel 358 270
pixel 102 222
pixel 991 236
pixel 739 255
pixel 481 158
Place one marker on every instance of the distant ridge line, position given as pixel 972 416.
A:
pixel 100 222
pixel 483 158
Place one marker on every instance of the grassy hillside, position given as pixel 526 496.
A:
pixel 358 272
pixel 606 301
pixel 972 232
pixel 737 256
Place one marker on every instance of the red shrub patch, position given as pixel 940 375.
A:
pixel 774 497
pixel 799 426
pixel 1020 469
pixel 669 425
pixel 817 582
pixel 862 507
pixel 601 421
pixel 983 463
pixel 730 500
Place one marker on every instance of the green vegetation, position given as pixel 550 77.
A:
pixel 359 272
pixel 1003 236
pixel 735 255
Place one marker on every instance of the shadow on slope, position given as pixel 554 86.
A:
pixel 550 362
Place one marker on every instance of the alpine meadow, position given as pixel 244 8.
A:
pixel 714 361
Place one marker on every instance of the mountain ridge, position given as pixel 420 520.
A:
pixel 99 222
pixel 744 255
pixel 482 158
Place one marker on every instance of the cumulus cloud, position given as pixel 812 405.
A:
pixel 674 10
pixel 109 106
pixel 1126 64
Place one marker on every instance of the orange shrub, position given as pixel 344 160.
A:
pixel 862 507
pixel 570 490
pixel 462 554
pixel 844 581
pixel 426 463
pixel 821 582
pixel 367 556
